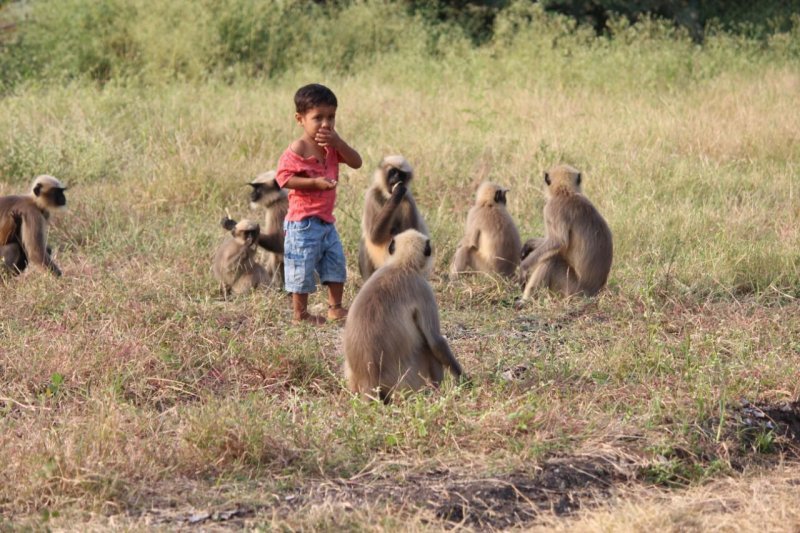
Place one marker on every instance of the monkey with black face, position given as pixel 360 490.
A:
pixel 392 338
pixel 491 242
pixel 268 194
pixel 235 265
pixel 389 209
pixel 574 257
pixel 24 221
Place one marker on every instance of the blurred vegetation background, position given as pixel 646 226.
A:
pixel 153 40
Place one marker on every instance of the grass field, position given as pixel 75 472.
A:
pixel 132 396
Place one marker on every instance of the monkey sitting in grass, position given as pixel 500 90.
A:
pixel 574 257
pixel 392 339
pixel 235 265
pixel 24 221
pixel 491 241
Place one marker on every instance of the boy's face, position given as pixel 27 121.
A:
pixel 316 119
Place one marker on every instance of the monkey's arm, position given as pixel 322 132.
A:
pixel 530 245
pixel 381 230
pixel 34 242
pixel 556 239
pixel 549 248
pixel 428 326
pixel 272 242
pixel 473 239
pixel 463 258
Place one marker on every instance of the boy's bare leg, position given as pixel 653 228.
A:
pixel 300 310
pixel 335 309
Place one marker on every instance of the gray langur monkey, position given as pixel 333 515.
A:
pixel 389 209
pixel 235 265
pixel 24 221
pixel 491 241
pixel 574 257
pixel 392 338
pixel 267 194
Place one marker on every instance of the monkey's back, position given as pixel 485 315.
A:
pixel 499 242
pixel 232 262
pixel 273 223
pixel 590 248
pixel 382 343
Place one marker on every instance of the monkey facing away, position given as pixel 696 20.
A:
pixel 574 257
pixel 392 339
pixel 491 242
pixel 389 209
pixel 268 194
pixel 24 221
pixel 235 265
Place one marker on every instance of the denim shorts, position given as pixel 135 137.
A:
pixel 310 246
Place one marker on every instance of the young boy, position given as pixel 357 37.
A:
pixel 309 168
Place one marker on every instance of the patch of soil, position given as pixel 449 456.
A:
pixel 763 428
pixel 781 419
pixel 561 486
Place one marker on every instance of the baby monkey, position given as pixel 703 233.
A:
pixel 235 265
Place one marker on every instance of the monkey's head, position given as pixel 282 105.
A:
pixel 562 178
pixel 411 249
pixel 245 231
pixel 490 194
pixel 392 170
pixel 266 190
pixel 48 193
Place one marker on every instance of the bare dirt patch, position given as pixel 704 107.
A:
pixel 767 427
pixel 561 486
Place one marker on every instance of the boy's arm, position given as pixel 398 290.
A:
pixel 302 182
pixel 349 156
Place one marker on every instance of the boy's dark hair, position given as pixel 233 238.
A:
pixel 313 95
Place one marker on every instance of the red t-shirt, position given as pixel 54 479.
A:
pixel 304 203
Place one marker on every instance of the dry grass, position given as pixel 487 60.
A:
pixel 755 502
pixel 129 385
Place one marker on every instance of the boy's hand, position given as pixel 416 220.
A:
pixel 328 137
pixel 324 184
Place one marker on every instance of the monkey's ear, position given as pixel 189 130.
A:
pixel 228 223
pixel 391 247
pixel 428 250
pixel 547 178
pixel 37 190
pixel 578 179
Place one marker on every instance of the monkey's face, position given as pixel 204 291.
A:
pixel 249 237
pixel 500 196
pixel 53 197
pixel 395 176
pixel 58 197
pixel 262 191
